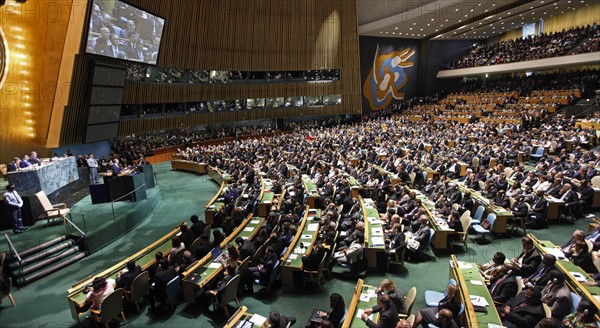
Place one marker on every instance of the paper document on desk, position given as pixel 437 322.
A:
pixel 313 227
pixel 478 301
pixel 298 250
pixel 491 325
pixel 377 232
pixel 258 320
pixel 578 276
pixel 377 241
pixel 364 297
pixel 375 221
pixel 371 293
pixel 249 229
pixel 292 257
pixel 359 314
pixel 255 221
pixel 214 265
pixel 556 252
pixel 477 282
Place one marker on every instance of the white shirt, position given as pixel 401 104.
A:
pixel 92 162
pixel 13 198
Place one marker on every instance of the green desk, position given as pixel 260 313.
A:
pixel 193 280
pixel 590 293
pixel 266 197
pixel 292 259
pixel 502 215
pixel 364 297
pixel 374 236
pixel 222 178
pixel 440 238
pixel 312 193
pixel 471 283
pixel 242 315
pixel 144 258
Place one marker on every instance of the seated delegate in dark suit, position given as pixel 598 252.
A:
pixel 451 302
pixel 542 275
pixel 388 288
pixel 557 295
pixel 262 272
pixel 197 226
pixel 388 315
pixel 505 287
pixel 524 310
pixel 529 260
pixel 125 279
pixel 276 320
pixel 187 236
pixel 338 310
pixel 158 291
pixel 583 258
pixel 311 261
pixel 397 240
pixel 204 248
pixel 245 247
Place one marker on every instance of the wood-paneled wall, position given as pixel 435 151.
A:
pixel 245 35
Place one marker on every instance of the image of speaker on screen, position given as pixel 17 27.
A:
pixel 119 30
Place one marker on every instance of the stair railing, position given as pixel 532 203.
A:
pixel 15 255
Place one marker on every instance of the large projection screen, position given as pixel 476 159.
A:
pixel 120 30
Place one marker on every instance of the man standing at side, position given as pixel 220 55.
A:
pixel 93 165
pixel 14 202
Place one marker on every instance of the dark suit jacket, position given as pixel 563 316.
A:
pixel 125 280
pixel 526 316
pixel 187 238
pixel 585 262
pixel 11 167
pixel 505 290
pixel 530 262
pixel 539 207
pixel 198 228
pixel 387 318
pixel 247 250
pixel 161 278
pixel 540 276
pixel 312 261
pixel 203 250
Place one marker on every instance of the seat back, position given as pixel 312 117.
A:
pixel 412 176
pixel 596 259
pixel 511 201
pixel 173 289
pixel 274 275
pixel 475 163
pixel 481 185
pixel 508 171
pixel 410 300
pixel 112 306
pixel 344 317
pixel 230 292
pixel 431 233
pixel 450 282
pixel 195 245
pixel 140 286
pixel 479 213
pixel 424 177
pixel 519 284
pixel 596 181
pixel 461 310
pixel 547 310
pixel 243 268
pixel 576 299
pixel 492 219
pixel 590 245
pixel 258 255
pixel 206 232
pixel 44 201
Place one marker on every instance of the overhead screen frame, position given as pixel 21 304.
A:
pixel 86 32
pixel 91 86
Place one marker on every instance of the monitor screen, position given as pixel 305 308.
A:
pixel 216 252
pixel 119 30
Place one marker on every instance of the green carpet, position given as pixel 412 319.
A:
pixel 44 303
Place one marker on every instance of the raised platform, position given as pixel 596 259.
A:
pixel 103 223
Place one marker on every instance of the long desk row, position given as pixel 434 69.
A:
pixel 442 231
pixel 312 193
pixel 301 245
pixel 364 297
pixel 189 166
pixel 502 214
pixel 573 273
pixel 144 258
pixel 204 270
pixel 374 235
pixel 222 178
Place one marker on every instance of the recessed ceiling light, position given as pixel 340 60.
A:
pixel 456 9
pixel 393 32
pixel 493 5
pixel 436 30
pixel 472 10
pixel 460 20
pixel 410 29
pixel 396 28
pixel 485 11
pixel 466 15
pixel 386 32
pixel 428 24
pixel 480 23
pixel 508 13
pixel 442 25
pixel 432 19
pixel 446 20
pixel 421 29
pixel 380 32
pixel 414 24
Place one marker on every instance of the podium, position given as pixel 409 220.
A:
pixel 118 187
pixel 148 171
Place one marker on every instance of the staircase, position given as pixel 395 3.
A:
pixel 46 258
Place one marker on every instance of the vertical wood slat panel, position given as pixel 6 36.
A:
pixel 251 35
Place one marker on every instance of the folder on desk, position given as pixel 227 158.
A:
pixel 377 241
